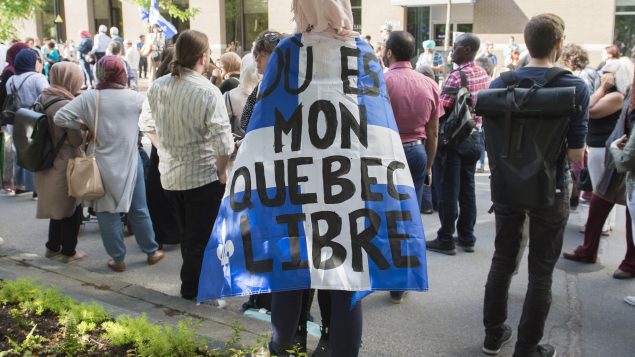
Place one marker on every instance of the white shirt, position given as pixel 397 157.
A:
pixel 190 119
pixel 132 57
pixel 101 42
pixel 3 56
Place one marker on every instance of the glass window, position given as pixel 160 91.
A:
pixel 244 20
pixel 624 32
pixel 256 20
pixel 418 24
pixel 356 6
pixel 108 12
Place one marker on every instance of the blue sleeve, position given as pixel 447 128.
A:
pixel 578 123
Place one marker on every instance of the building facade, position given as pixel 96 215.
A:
pixel 590 23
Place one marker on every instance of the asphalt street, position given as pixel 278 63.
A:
pixel 588 315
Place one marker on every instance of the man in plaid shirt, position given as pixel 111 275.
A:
pixel 455 167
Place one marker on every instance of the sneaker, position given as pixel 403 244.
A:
pixel 322 348
pixel 397 296
pixel 546 351
pixel 466 248
pixel 19 192
pixel 34 196
pixel 156 257
pixel 492 344
pixel 630 300
pixel 51 253
pixel 436 246
pixel 117 267
pixel 75 257
pixel 7 192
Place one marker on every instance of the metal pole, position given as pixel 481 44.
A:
pixel 56 13
pixel 448 15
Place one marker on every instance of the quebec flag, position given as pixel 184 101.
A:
pixel 320 195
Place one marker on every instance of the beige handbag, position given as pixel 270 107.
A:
pixel 82 172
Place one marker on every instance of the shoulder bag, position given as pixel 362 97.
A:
pixel 82 172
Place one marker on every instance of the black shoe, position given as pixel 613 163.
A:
pixel 322 348
pixel 437 246
pixel 299 340
pixel 492 344
pixel 546 351
pixel 541 351
pixel 397 296
pixel 466 248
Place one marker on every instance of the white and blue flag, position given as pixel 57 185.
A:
pixel 320 195
pixel 156 18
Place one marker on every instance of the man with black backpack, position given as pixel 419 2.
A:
pixel 540 120
pixel 459 150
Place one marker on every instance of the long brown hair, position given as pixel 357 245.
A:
pixel 189 48
pixel 167 56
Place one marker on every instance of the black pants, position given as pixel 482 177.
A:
pixel 196 210
pixel 165 221
pixel 143 67
pixel 345 331
pixel 546 232
pixel 63 233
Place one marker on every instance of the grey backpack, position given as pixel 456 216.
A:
pixel 12 102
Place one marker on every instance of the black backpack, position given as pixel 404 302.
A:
pixel 12 102
pixel 459 124
pixel 33 139
pixel 525 133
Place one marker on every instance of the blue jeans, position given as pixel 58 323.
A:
pixel 22 176
pixel 88 74
pixel 457 186
pixel 481 160
pixel 111 227
pixel 546 233
pixel 417 160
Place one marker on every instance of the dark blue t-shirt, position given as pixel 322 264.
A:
pixel 578 123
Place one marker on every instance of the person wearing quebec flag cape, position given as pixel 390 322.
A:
pixel 320 196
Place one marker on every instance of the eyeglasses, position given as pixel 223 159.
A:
pixel 272 37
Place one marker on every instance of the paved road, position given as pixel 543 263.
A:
pixel 588 316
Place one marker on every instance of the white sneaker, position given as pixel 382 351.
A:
pixel 7 192
pixel 630 300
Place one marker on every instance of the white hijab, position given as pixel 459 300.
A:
pixel 332 16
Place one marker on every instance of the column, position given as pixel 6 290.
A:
pixel 78 15
pixel 211 21
pixel 132 24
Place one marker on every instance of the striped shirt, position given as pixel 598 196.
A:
pixel 190 119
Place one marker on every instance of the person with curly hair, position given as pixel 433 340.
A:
pixel 576 59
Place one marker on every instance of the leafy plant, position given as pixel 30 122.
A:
pixel 31 342
pixel 171 7
pixel 12 11
pixel 150 339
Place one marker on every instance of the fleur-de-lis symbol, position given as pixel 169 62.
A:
pixel 224 252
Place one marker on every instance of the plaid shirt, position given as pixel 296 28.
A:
pixel 477 79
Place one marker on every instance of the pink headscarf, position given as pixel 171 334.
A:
pixel 334 16
pixel 84 34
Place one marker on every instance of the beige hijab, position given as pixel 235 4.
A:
pixel 332 16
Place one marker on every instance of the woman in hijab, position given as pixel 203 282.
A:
pixel 236 98
pixel 117 158
pixel 7 140
pixel 54 203
pixel 29 84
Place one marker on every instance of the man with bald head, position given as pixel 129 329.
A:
pixel 415 102
pixel 455 166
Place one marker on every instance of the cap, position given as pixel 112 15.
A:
pixel 429 44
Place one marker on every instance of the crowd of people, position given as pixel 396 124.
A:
pixel 89 94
